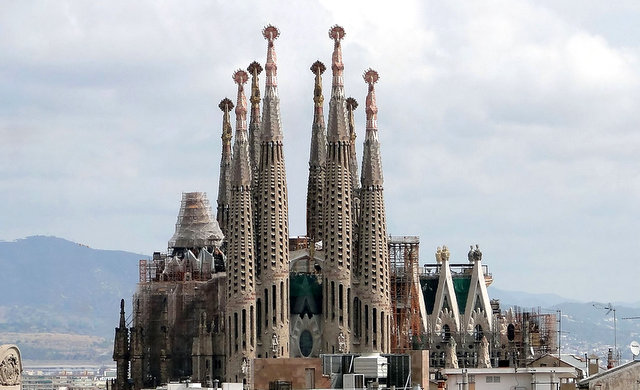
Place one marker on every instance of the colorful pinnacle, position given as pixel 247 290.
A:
pixel 337 66
pixel 241 77
pixel 371 77
pixel 271 33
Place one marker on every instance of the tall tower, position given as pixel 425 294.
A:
pixel 241 298
pixel 254 70
pixel 121 352
pixel 317 159
pixel 224 185
pixel 352 104
pixel 374 290
pixel 338 222
pixel 273 219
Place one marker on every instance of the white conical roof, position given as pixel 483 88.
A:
pixel 196 227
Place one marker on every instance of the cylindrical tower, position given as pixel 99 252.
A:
pixel 317 159
pixel 374 289
pixel 240 309
pixel 272 220
pixel 224 185
pixel 338 221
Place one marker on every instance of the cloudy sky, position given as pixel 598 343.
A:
pixel 511 124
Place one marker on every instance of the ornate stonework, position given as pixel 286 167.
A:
pixel 10 367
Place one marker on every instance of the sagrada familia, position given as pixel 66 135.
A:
pixel 234 289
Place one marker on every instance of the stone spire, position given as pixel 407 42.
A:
pixel 254 70
pixel 121 352
pixel 372 164
pixel 271 128
pixel 240 305
pixel 373 250
pixel 338 220
pixel 224 185
pixel 273 220
pixel 352 104
pixel 317 159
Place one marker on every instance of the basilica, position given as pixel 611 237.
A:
pixel 235 288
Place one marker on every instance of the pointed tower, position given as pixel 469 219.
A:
pixel 254 70
pixel 352 104
pixel 121 352
pixel 478 317
pixel 224 185
pixel 317 159
pixel 273 219
pixel 338 222
pixel 445 317
pixel 374 289
pixel 240 307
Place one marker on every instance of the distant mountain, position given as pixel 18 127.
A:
pixel 586 327
pixel 524 299
pixel 51 285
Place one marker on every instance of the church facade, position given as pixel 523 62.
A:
pixel 235 286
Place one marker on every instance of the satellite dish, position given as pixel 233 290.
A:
pixel 635 348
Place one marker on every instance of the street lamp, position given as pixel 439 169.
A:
pixel 610 308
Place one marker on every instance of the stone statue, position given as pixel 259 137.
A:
pixel 439 255
pixel 483 355
pixel 10 366
pixel 342 343
pixel 451 358
pixel 274 343
pixel 445 253
pixel 470 254
pixel 477 255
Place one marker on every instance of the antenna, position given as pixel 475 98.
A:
pixel 635 349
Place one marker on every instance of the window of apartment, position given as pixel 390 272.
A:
pixel 493 379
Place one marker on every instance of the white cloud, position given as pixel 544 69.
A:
pixel 507 123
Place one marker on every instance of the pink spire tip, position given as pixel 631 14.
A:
pixel 336 33
pixel 270 33
pixel 241 77
pixel 371 77
pixel 337 66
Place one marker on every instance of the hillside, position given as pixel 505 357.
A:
pixel 64 289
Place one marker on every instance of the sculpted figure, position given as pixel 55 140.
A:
pixel 439 255
pixel 451 358
pixel 483 355
pixel 445 253
pixel 342 343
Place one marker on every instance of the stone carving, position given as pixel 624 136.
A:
pixel 274 343
pixel 342 343
pixel 451 355
pixel 10 366
pixel 474 254
pixel 439 255
pixel 445 253
pixel 483 355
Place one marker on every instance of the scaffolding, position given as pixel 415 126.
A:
pixel 406 327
